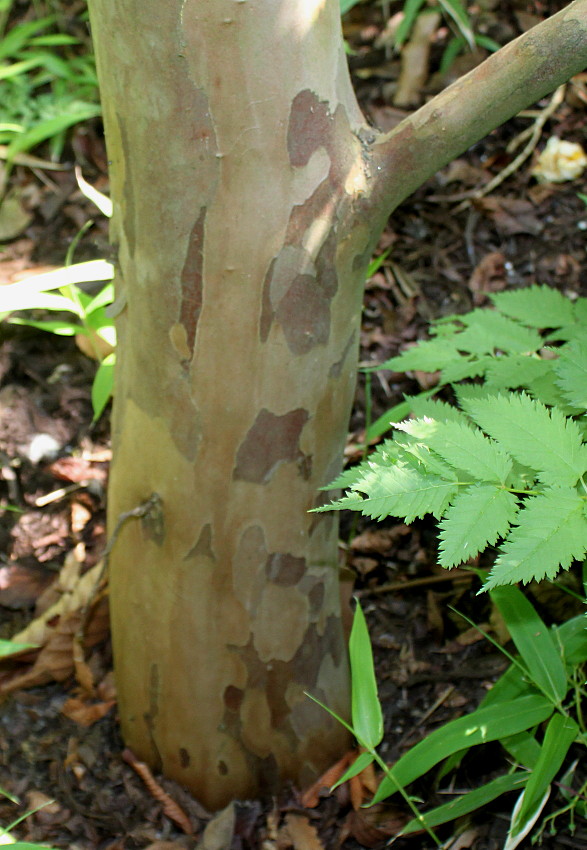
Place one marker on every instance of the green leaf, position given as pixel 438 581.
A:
pixel 468 448
pixel 455 10
pixel 411 9
pixel 427 356
pixel 58 328
pixel 359 764
pixel 476 519
pixel 464 367
pixel 551 534
pixel 103 385
pixel 572 639
pixel 560 734
pixel 423 406
pixel 517 370
pixel 479 727
pixel 8 647
pixel 367 719
pixel 571 370
pixel 542 439
pixel 537 306
pixel 487 332
pixel 523 748
pixel 400 491
pixel 534 641
pixel 26 294
pixel 467 803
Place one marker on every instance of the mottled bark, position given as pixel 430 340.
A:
pixel 248 197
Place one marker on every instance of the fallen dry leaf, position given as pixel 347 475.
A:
pixel 510 215
pixel 299 834
pixel 86 714
pixel 171 809
pixel 219 832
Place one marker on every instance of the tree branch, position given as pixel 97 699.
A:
pixel 510 80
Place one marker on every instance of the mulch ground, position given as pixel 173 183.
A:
pixel 60 746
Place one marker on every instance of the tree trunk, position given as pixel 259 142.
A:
pixel 249 195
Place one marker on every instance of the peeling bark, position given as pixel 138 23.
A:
pixel 248 196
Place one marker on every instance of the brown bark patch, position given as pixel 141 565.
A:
pixel 284 569
pixel 304 314
pixel 233 698
pixel 310 127
pixel 191 281
pixel 271 440
pixel 203 547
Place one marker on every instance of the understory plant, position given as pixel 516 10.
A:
pixel 6 837
pixel 504 464
pixel 500 463
pixel 48 85
pixel 91 324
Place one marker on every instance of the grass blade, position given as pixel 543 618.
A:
pixel 533 641
pixel 366 709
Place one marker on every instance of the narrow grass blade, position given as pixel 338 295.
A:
pixel 363 761
pixel 486 724
pixel 102 386
pixel 467 803
pixel 534 642
pixel 560 734
pixel 366 709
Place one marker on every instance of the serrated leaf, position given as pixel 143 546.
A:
pixel 518 370
pixel 543 439
pixel 476 518
pixel 401 491
pixel 468 448
pixel 427 356
pixel 571 371
pixel 479 727
pixel 367 719
pixel 488 332
pixel 460 368
pixel 434 408
pixel 537 306
pixel 551 534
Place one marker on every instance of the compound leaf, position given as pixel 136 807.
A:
pixel 518 370
pixel 551 533
pixel 427 356
pixel 571 370
pixel 399 490
pixel 487 332
pixel 537 306
pixel 476 518
pixel 468 448
pixel 543 439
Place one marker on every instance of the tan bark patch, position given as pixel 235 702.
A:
pixel 280 639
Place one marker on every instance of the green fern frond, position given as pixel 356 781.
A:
pixel 551 533
pixel 536 306
pixel 400 491
pixel 463 447
pixel 487 331
pixel 427 356
pixel 543 439
pixel 571 371
pixel 477 518
pixel 516 371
